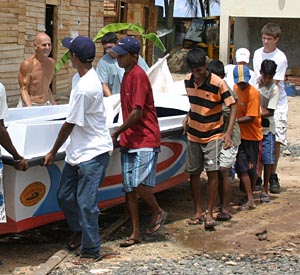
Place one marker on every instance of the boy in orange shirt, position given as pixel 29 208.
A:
pixel 249 119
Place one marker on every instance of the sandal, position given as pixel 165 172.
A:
pixel 209 225
pixel 86 258
pixel 155 228
pixel 130 242
pixel 246 207
pixel 264 198
pixel 223 217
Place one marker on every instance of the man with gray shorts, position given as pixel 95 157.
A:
pixel 205 130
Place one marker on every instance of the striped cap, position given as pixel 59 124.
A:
pixel 241 73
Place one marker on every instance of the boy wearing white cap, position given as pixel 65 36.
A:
pixel 242 57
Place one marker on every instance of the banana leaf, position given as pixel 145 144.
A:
pixel 115 27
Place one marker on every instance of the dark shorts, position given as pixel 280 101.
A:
pixel 246 160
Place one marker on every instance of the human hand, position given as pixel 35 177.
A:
pixel 185 125
pixel 49 159
pixel 21 164
pixel 227 141
pixel 115 140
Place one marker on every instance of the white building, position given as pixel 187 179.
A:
pixel 250 16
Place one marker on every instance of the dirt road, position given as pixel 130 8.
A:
pixel 279 218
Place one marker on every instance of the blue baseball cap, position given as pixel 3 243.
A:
pixel 83 47
pixel 128 44
pixel 241 73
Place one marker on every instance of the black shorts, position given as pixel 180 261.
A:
pixel 247 156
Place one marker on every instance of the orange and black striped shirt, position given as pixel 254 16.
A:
pixel 205 121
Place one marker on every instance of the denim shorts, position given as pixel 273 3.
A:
pixel 268 149
pixel 138 168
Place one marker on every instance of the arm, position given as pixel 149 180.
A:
pixel 228 133
pixel 133 118
pixel 106 90
pixel 63 134
pixel 185 124
pixel 19 162
pixel 24 81
pixel 266 112
pixel 51 97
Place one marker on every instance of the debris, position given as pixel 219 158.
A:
pixel 262 236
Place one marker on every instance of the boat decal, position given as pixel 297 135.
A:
pixel 33 193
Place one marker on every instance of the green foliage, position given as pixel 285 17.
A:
pixel 115 27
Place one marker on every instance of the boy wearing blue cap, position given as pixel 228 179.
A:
pixel 87 152
pixel 139 140
pixel 249 119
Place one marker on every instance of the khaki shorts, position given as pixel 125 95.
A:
pixel 228 157
pixel 281 127
pixel 200 156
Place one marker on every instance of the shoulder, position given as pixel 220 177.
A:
pixel 258 51
pixel 27 63
pixel 280 55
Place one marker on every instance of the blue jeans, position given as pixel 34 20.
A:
pixel 77 197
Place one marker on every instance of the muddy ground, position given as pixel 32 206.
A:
pixel 280 218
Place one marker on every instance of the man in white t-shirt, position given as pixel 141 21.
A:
pixel 87 152
pixel 270 36
pixel 242 57
pixel 19 162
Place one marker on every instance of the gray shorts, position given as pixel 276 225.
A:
pixel 200 156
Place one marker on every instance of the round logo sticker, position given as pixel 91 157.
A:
pixel 33 193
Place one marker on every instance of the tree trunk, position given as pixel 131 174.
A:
pixel 170 24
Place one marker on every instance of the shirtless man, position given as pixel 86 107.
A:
pixel 36 73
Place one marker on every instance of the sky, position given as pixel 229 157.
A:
pixel 181 10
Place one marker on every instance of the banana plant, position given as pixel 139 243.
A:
pixel 115 27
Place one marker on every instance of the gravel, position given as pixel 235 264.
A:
pixel 216 264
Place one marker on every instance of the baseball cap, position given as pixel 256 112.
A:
pixel 241 73
pixel 242 55
pixel 83 47
pixel 128 44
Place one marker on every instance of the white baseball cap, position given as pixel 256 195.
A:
pixel 242 55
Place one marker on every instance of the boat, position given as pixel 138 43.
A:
pixel 30 196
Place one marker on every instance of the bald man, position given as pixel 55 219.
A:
pixel 36 73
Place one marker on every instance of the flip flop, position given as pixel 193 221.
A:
pixel 196 221
pixel 160 222
pixel 130 242
pixel 86 258
pixel 223 217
